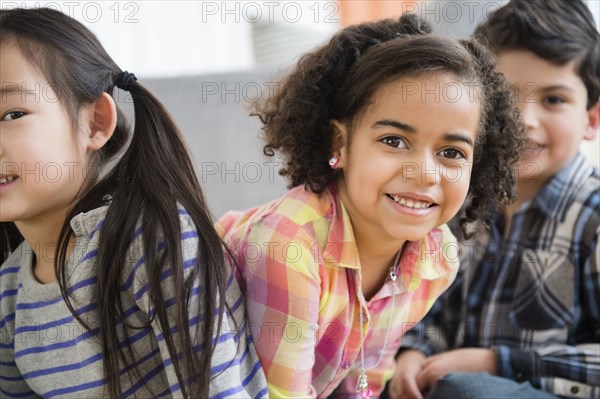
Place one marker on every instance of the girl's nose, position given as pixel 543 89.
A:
pixel 422 169
pixel 430 170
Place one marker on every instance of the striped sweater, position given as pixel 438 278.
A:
pixel 45 352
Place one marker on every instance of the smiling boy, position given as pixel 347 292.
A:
pixel 522 319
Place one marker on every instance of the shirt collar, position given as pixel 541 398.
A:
pixel 342 245
pixel 88 223
pixel 560 191
pixel 429 259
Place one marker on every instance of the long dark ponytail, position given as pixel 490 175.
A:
pixel 153 176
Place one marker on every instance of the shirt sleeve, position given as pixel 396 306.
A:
pixel 234 368
pixel 425 336
pixel 282 283
pixel 559 368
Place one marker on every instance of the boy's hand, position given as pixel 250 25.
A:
pixel 470 360
pixel 404 382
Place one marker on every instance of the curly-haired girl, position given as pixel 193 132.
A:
pixel 385 130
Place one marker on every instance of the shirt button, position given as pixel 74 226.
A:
pixel 346 365
pixel 574 389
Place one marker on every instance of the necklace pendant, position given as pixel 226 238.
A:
pixel 393 275
pixel 362 385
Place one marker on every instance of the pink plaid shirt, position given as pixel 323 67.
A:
pixel 300 270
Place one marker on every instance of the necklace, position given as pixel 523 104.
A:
pixel 362 385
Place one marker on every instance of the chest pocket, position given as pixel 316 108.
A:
pixel 544 294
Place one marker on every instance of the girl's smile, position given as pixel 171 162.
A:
pixel 413 204
pixel 6 182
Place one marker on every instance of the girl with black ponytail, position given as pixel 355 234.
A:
pixel 113 279
pixel 384 133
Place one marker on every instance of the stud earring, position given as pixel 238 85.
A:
pixel 333 162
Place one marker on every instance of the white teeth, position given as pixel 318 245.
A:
pixel 7 179
pixel 411 203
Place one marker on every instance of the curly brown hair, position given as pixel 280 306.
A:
pixel 337 81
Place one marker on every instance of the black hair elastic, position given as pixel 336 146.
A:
pixel 124 80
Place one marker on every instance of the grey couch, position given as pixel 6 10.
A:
pixel 212 111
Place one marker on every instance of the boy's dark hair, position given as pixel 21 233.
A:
pixel 338 80
pixel 153 177
pixel 557 31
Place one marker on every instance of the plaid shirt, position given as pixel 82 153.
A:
pixel 533 296
pixel 300 270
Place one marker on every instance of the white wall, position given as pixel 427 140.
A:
pixel 173 38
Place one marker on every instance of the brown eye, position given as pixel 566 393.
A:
pixel 452 153
pixel 553 100
pixel 394 141
pixel 11 116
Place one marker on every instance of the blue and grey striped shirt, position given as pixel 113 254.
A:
pixel 45 352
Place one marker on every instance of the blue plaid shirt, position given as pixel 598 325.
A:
pixel 533 294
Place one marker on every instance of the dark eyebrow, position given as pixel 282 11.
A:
pixel 557 87
pixel 409 129
pixel 458 137
pixel 396 124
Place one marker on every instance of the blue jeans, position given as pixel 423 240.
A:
pixel 484 386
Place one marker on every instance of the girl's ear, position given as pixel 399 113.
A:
pixel 102 122
pixel 593 122
pixel 340 142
